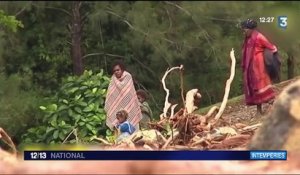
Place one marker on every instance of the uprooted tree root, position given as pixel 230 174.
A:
pixel 195 130
pixel 186 130
pixel 190 131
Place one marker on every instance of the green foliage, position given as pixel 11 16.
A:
pixel 19 105
pixel 110 136
pixel 149 36
pixel 78 105
pixel 10 21
pixel 41 50
pixel 163 35
pixel 153 36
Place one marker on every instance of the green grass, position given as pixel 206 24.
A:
pixel 232 101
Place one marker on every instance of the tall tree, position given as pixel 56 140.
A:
pixel 150 36
pixel 76 34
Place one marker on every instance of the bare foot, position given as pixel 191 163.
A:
pixel 259 114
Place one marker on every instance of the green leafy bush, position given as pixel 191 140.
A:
pixel 10 21
pixel 19 105
pixel 76 113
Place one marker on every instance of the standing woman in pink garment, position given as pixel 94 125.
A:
pixel 258 88
pixel 121 95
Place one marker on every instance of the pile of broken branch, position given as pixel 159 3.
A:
pixel 187 130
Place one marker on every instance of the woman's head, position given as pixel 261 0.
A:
pixel 118 68
pixel 248 26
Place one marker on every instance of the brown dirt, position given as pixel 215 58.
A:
pixel 238 112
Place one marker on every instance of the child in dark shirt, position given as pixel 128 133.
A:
pixel 145 108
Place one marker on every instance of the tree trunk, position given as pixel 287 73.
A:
pixel 76 50
pixel 290 65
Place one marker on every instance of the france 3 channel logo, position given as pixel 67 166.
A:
pixel 282 22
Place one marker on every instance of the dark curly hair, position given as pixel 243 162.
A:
pixel 142 93
pixel 249 24
pixel 118 63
